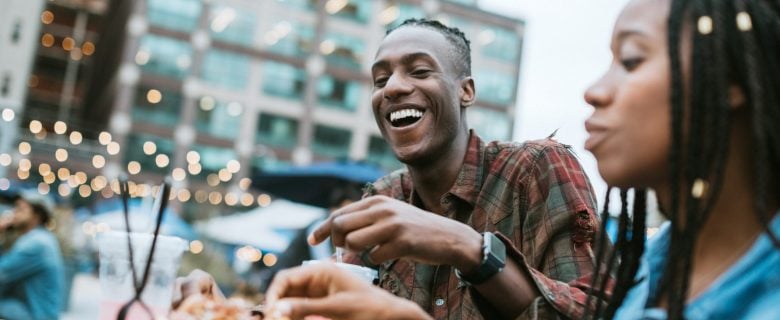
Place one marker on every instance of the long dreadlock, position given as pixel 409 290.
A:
pixel 733 42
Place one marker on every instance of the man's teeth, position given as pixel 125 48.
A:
pixel 400 114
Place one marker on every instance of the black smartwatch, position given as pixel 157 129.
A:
pixel 493 260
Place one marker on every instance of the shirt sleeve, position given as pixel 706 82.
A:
pixel 22 260
pixel 554 244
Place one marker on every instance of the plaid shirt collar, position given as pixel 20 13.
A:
pixel 469 182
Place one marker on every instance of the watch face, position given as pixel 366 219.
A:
pixel 496 247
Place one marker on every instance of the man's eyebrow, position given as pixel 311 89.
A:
pixel 406 59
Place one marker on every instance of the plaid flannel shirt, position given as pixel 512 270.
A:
pixel 538 200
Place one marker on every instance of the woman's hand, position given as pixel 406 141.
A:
pixel 325 290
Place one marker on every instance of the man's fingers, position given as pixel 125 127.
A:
pixel 352 222
pixel 387 251
pixel 306 281
pixel 368 237
pixel 324 230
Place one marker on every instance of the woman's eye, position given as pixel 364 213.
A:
pixel 630 64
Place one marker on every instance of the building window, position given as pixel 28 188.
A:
pixel 308 5
pixel 135 152
pixel 283 80
pixel 343 50
pixel 16 31
pixel 356 10
pixel 499 43
pixel 219 119
pixel 290 38
pixel 277 131
pixel 331 142
pixel 380 153
pixel 491 125
pixel 156 106
pixel 5 86
pixel 180 15
pixel 404 12
pixel 164 56
pixel 212 159
pixel 495 87
pixel 337 93
pixel 226 69
pixel 234 25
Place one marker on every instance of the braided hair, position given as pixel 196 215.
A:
pixel 458 40
pixel 733 42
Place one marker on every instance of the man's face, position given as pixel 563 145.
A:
pixel 419 94
pixel 23 215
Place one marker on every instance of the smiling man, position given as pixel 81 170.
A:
pixel 469 230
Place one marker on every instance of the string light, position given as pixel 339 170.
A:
pixel 24 148
pixel 63 174
pixel 85 191
pixel 60 127
pixel 61 155
pixel 263 200
pixel 215 197
pixel 98 161
pixel 35 126
pixel 104 138
pixel 25 165
pixel 75 137
pixel 112 148
pixel 194 168
pixel 133 167
pixel 225 175
pixel 233 166
pixel 8 114
pixel 5 159
pixel 161 160
pixel 178 174
pixel 149 148
pixel 196 246
pixel 193 156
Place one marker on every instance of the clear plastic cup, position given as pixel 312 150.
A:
pixel 116 276
pixel 367 274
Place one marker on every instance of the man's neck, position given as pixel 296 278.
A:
pixel 431 181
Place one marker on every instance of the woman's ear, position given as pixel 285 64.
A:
pixel 736 97
pixel 468 93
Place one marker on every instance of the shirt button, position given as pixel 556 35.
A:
pixel 439 302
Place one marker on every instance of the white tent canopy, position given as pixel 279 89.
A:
pixel 256 227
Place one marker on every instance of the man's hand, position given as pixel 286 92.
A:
pixel 389 229
pixel 325 290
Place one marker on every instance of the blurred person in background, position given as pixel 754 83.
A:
pixel 31 270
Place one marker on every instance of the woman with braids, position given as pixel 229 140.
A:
pixel 708 143
pixel 688 108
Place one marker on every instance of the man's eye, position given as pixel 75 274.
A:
pixel 421 72
pixel 380 82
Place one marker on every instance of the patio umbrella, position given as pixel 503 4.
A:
pixel 316 183
pixel 269 228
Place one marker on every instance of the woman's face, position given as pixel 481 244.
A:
pixel 630 125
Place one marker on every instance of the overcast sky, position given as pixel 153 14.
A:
pixel 566 48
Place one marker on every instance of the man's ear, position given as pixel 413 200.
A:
pixel 737 98
pixel 468 94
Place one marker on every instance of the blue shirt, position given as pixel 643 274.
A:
pixel 749 289
pixel 32 277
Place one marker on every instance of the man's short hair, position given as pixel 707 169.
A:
pixel 462 46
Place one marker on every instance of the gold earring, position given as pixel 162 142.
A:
pixel 705 25
pixel 744 22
